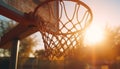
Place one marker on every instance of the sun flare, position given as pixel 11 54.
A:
pixel 93 35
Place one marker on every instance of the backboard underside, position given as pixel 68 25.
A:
pixel 15 9
pixel 27 6
pixel 24 6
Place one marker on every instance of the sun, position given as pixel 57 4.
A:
pixel 93 35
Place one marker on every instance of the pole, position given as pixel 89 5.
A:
pixel 14 54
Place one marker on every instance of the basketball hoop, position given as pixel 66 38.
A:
pixel 62 26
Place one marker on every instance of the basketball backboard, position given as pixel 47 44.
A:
pixel 24 6
pixel 15 10
pixel 27 6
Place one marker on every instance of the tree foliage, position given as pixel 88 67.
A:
pixel 107 50
pixel 5 26
pixel 26 44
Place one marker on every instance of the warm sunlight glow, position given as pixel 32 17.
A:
pixel 93 35
pixel 36 48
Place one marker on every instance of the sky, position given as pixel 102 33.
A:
pixel 105 12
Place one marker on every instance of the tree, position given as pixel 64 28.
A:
pixel 106 51
pixel 26 44
pixel 113 41
pixel 40 54
pixel 5 26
